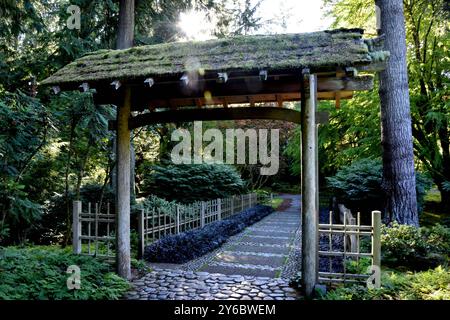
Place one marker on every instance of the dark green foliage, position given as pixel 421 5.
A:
pixel 359 186
pixel 152 202
pixel 191 183
pixel 438 238
pixel 189 245
pixel 428 49
pixel 24 128
pixel 54 220
pixel 40 273
pixel 415 248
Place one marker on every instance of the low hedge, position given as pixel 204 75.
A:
pixel 189 245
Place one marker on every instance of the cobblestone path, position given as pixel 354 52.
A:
pixel 253 265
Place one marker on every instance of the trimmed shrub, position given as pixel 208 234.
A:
pixel 189 245
pixel 40 273
pixel 191 183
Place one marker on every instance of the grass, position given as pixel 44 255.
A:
pixel 432 213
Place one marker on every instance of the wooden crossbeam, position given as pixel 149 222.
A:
pixel 212 114
pixel 217 114
pixel 234 91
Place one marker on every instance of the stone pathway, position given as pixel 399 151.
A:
pixel 253 265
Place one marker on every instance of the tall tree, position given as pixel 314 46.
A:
pixel 398 158
pixel 427 37
pixel 427 25
pixel 125 33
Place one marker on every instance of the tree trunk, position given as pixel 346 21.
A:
pixel 398 159
pixel 67 235
pixel 445 145
pixel 125 34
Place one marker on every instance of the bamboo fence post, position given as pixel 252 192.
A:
pixel 89 228
pixel 96 228
pixel 232 206
pixel 141 231
pixel 219 209
pixel 202 215
pixel 376 238
pixel 353 236
pixel 76 227
pixel 178 220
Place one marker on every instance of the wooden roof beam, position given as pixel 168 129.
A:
pixel 212 114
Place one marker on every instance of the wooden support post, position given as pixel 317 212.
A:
pixel 376 238
pixel 123 187
pixel 76 227
pixel 141 231
pixel 309 194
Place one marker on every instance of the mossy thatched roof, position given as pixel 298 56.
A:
pixel 322 51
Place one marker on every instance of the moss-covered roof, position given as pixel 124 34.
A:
pixel 322 51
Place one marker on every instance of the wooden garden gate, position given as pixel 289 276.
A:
pixel 350 249
pixel 93 231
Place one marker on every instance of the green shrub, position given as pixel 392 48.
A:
pixel 40 273
pixel 402 243
pixel 358 186
pixel 438 238
pixel 153 202
pixel 54 219
pixel 358 267
pixel 415 248
pixel 428 285
pixel 191 183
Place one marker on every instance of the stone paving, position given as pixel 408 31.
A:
pixel 189 285
pixel 253 265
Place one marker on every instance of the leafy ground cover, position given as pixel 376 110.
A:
pixel 41 273
pixel 433 284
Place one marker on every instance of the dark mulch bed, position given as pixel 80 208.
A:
pixel 333 264
pixel 190 245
